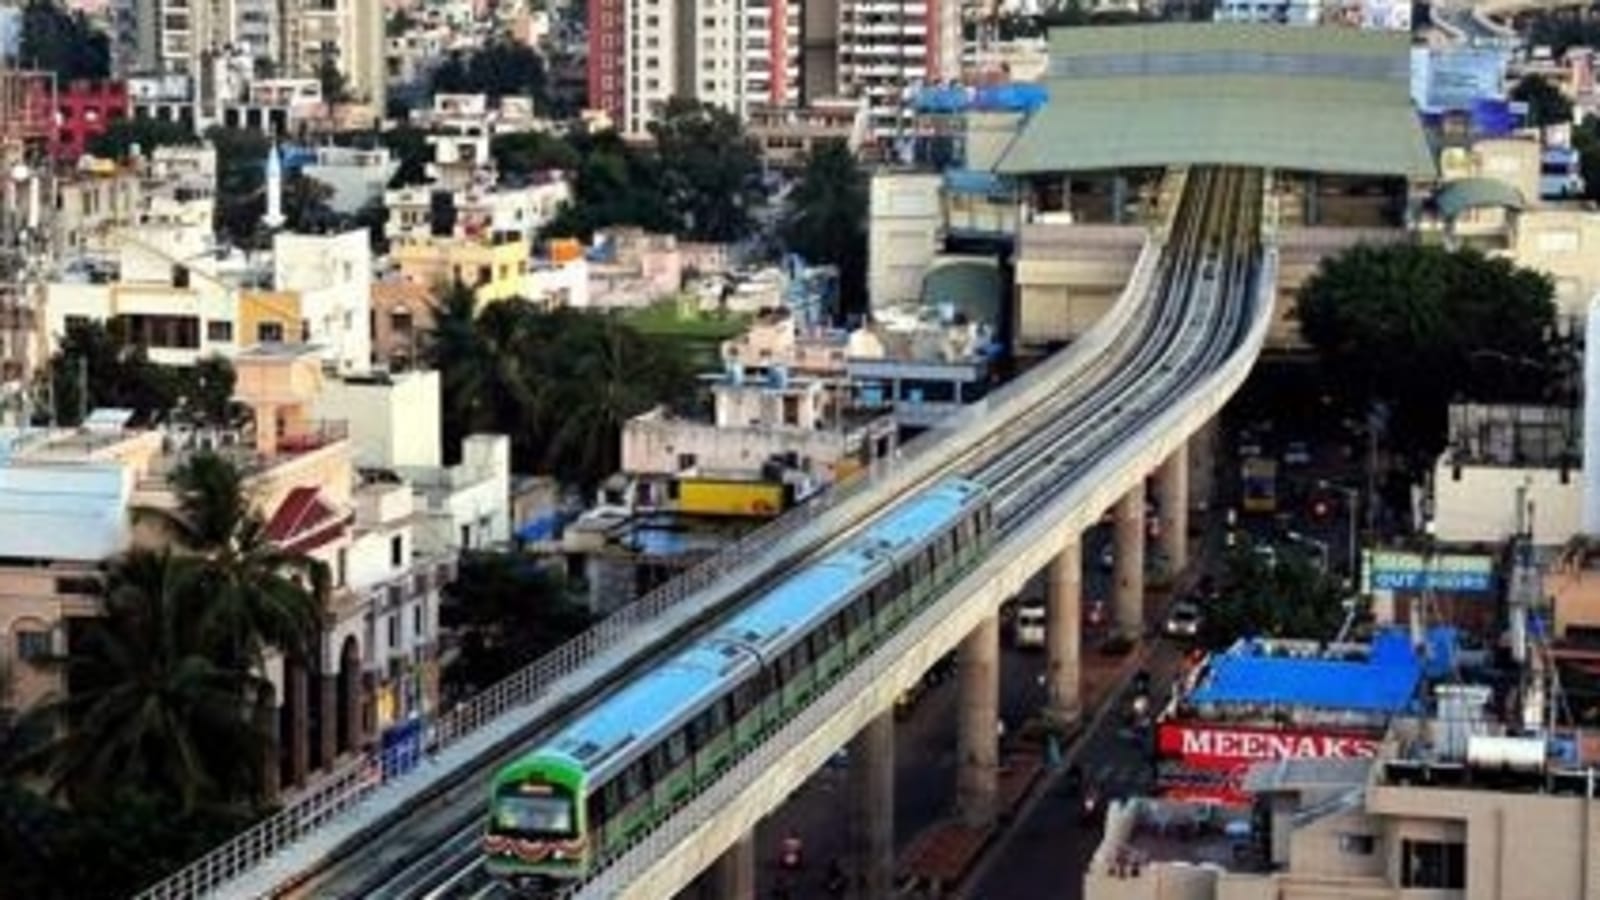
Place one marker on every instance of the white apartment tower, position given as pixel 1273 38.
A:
pixel 730 53
pixel 887 47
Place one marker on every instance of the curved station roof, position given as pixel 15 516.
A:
pixel 1326 100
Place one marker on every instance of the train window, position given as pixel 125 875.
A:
pixel 633 782
pixel 597 808
pixel 836 629
pixel 657 768
pixel 856 614
pixel 780 670
pixel 677 748
pixel 697 732
pixel 740 700
pixel 719 717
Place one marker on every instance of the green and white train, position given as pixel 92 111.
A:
pixel 622 766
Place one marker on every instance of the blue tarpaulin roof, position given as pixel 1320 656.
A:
pixel 1013 97
pixel 1384 682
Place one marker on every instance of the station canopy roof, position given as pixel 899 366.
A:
pixel 1328 100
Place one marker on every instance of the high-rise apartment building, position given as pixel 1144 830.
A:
pixel 779 53
pixel 727 52
pixel 190 37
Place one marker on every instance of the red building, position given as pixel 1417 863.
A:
pixel 86 109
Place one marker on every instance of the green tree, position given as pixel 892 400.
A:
pixel 119 138
pixel 501 68
pixel 97 366
pixel 508 611
pixel 606 374
pixel 560 383
pixel 1586 140
pixel 711 170
pixel 258 596
pixel 409 147
pixel 65 43
pixel 208 387
pixel 150 706
pixel 305 205
pixel 1290 598
pixel 826 221
pixel 241 182
pixel 520 154
pixel 616 184
pixel 1416 327
pixel 1546 104
pixel 335 87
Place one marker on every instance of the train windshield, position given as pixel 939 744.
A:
pixel 534 810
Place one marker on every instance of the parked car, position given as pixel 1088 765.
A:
pixel 1183 620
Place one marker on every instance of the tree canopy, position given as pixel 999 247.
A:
pixel 116 372
pixel 826 219
pixel 509 611
pixel 119 138
pixel 520 154
pixel 711 170
pixel 1546 104
pixel 65 43
pixel 501 68
pixel 1287 598
pixel 561 383
pixel 1416 327
pixel 616 184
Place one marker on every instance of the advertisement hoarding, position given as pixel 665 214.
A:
pixel 1458 573
pixel 1198 760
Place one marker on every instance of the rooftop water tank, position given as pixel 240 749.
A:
pixel 1516 754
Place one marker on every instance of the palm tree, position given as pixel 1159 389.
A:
pixel 257 596
pixel 615 374
pixel 151 705
pixel 454 347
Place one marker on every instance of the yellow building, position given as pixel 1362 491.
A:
pixel 494 271
pixel 270 317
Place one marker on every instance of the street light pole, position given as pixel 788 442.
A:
pixel 1352 499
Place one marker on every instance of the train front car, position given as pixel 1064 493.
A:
pixel 537 836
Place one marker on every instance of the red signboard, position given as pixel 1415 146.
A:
pixel 1200 760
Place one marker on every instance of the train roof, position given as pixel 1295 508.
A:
pixel 923 515
pixel 609 735
pixel 791 606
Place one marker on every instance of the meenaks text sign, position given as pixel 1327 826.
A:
pixel 1209 746
pixel 1455 573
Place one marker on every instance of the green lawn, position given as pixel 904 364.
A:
pixel 700 334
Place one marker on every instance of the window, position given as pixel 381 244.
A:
pixel 305 331
pixel 466 537
pixel 1357 844
pixel 269 332
pixel 32 645
pixel 397 551
pixel 416 620
pixel 1438 865
pixel 394 631
pixel 219 331
pixel 677 748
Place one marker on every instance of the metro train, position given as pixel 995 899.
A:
pixel 608 777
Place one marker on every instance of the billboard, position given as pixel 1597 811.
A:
pixel 1457 573
pixel 1202 761
pixel 1446 78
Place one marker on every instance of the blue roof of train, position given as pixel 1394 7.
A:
pixel 794 601
pixel 653 698
pixel 1386 681
pixel 924 514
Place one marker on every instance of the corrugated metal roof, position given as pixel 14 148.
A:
pixel 73 512
pixel 1329 100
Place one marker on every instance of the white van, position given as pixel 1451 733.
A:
pixel 1029 623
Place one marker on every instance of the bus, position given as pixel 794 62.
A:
pixel 1260 477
